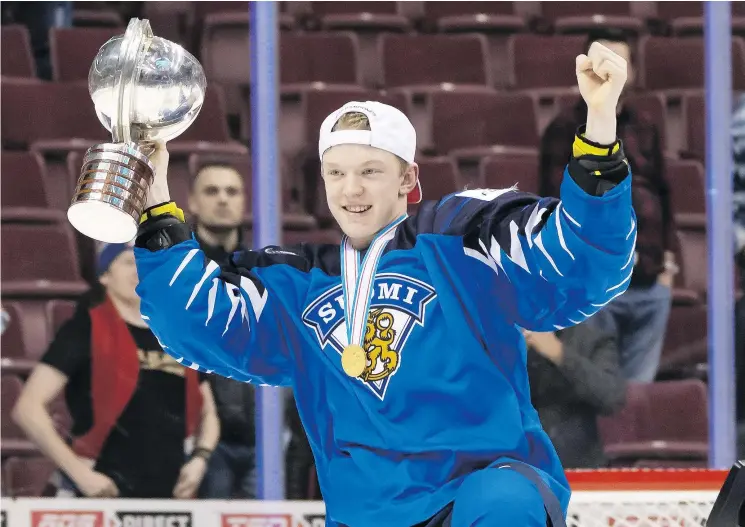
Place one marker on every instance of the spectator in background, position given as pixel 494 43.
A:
pixel 575 376
pixel 639 316
pixel 132 405
pixel 217 202
pixel 39 18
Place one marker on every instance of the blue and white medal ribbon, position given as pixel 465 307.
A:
pixel 357 284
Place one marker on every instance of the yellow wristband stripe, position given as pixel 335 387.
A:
pixel 582 148
pixel 166 208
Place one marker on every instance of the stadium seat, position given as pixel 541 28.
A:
pixel 687 18
pixel 72 50
pixel 29 476
pixel 367 20
pixel 539 62
pixel 39 260
pixel 427 60
pixel 687 190
pixel 13 338
pixel 173 21
pixel 17 59
pixel 685 349
pixel 24 192
pixel 359 16
pixel 28 335
pixel 330 58
pixel 693 259
pixel 510 168
pixel 577 18
pixel 58 312
pixel 495 20
pixel 467 124
pixel 53 119
pixel 439 177
pixel 695 126
pixel 97 18
pixel 481 17
pixel 661 420
pixel 671 63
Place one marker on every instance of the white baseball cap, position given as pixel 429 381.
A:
pixel 390 130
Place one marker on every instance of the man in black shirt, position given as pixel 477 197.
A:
pixel 132 405
pixel 217 203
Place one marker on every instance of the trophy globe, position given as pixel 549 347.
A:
pixel 145 89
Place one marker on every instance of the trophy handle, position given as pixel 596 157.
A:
pixel 138 34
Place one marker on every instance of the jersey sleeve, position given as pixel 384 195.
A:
pixel 225 320
pixel 557 261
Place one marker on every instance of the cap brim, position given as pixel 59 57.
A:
pixel 415 196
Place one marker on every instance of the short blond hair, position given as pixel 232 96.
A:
pixel 359 121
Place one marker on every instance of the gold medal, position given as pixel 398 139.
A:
pixel 353 360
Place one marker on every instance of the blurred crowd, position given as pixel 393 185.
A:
pixel 104 411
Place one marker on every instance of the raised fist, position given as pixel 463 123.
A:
pixel 601 75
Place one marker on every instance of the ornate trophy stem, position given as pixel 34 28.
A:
pixel 145 89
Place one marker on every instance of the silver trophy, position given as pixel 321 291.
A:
pixel 145 89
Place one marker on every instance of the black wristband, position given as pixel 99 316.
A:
pixel 204 453
pixel 162 232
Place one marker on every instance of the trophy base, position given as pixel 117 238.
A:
pixel 102 222
pixel 111 192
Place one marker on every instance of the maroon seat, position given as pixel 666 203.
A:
pixel 58 312
pixel 678 63
pixel 53 119
pixel 473 16
pixel 13 340
pixel 695 125
pixel 466 124
pixel 27 337
pixel 29 476
pixel 686 345
pixel 439 177
pixel 578 18
pixel 541 62
pixel 97 18
pixel 330 58
pixel 510 168
pixel 17 59
pixel 72 50
pixel 360 16
pixel 24 192
pixel 414 60
pixel 688 197
pixel 687 18
pixel 650 107
pixel 662 420
pixel 40 260
pixel 693 259
pixel 211 124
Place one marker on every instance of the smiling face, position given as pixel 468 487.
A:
pixel 366 189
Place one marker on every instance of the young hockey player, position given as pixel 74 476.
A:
pixel 404 344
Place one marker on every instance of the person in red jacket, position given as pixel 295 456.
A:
pixel 132 405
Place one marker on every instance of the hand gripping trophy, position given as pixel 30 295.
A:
pixel 145 89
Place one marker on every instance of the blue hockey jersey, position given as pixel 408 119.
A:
pixel 456 283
